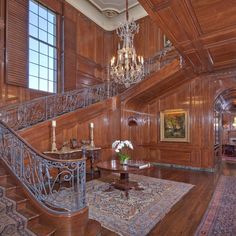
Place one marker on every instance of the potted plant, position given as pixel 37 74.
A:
pixel 118 145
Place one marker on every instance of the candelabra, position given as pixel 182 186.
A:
pixel 54 146
pixel 92 145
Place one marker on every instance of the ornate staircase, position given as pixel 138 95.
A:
pixel 34 218
pixel 23 204
pixel 32 180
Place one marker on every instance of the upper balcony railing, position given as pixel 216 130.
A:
pixel 25 114
pixel 57 185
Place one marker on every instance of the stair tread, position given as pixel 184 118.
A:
pixel 15 193
pixel 93 228
pixel 41 230
pixel 3 172
pixel 4 176
pixel 16 197
pixel 28 213
pixel 7 183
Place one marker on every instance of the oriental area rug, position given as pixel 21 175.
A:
pixel 141 211
pixel 11 222
pixel 220 217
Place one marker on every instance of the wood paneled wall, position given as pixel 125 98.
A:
pixel 85 50
pixel 168 89
pixel 105 116
pixel 197 96
pixel 85 44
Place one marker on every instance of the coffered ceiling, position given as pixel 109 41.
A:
pixel 203 31
pixel 108 13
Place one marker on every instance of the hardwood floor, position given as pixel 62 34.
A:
pixel 185 216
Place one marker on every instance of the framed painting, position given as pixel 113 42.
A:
pixel 174 125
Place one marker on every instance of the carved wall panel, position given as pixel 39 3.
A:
pixel 198 97
pixel 203 31
pixel 105 116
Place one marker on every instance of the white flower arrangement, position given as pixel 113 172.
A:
pixel 118 145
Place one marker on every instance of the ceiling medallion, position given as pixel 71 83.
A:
pixel 109 13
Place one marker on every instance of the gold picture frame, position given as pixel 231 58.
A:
pixel 174 125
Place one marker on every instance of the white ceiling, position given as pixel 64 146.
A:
pixel 118 6
pixel 94 9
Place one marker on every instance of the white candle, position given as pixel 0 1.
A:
pixel 91 125
pixel 54 123
pixel 142 60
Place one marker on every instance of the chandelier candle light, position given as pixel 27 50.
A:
pixel 128 68
pixel 54 146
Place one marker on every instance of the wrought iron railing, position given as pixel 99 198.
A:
pixel 58 185
pixel 28 113
pixel 160 59
pixel 25 114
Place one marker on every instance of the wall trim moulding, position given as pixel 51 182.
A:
pixel 185 167
pixel 106 23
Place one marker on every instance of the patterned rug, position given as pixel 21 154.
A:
pixel 11 223
pixel 220 217
pixel 138 214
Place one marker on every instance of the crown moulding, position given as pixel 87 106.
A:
pixel 106 23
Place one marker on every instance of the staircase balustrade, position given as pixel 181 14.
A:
pixel 58 185
pixel 28 113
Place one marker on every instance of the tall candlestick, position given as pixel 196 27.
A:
pixel 54 146
pixel 91 135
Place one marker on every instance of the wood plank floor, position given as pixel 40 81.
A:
pixel 186 215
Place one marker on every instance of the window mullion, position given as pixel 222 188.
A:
pixel 43 70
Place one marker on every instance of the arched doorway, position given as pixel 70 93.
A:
pixel 225 126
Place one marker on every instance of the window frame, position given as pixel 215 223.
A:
pixel 56 47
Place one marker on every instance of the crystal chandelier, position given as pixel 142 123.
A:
pixel 128 68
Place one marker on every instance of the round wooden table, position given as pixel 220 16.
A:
pixel 123 183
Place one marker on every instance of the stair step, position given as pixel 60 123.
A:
pixel 3 176
pixel 23 205
pixel 29 213
pixel 3 172
pixel 7 183
pixel 93 228
pixel 18 197
pixel 41 229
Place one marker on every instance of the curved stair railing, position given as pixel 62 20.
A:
pixel 57 185
pixel 28 113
